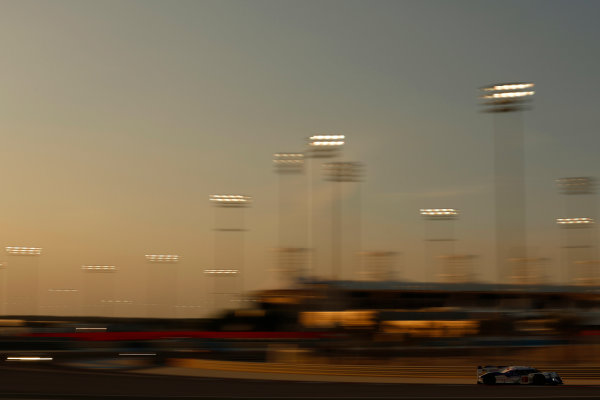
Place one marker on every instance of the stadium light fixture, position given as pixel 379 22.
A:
pixel 323 146
pixel 23 251
pixel 230 200
pixel 342 171
pixel 221 271
pixel 505 97
pixel 162 258
pixel 509 86
pixel 326 140
pixel 111 301
pixel 574 221
pixel 439 213
pixel 288 162
pixel 99 268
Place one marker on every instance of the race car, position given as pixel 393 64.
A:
pixel 491 375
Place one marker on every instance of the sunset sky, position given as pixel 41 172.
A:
pixel 120 118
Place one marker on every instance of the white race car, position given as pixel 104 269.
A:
pixel 491 375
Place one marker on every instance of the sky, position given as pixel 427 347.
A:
pixel 120 118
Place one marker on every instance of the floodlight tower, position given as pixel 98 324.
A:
pixel 338 172
pixel 439 238
pixel 587 272
pixel 161 287
pixel 99 289
pixel 378 265
pixel 506 101
pixel 291 263
pixel 319 147
pixel 458 268
pixel 292 215
pixel 24 280
pixel 229 248
pixel 579 240
pixel 528 270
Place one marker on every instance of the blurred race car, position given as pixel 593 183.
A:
pixel 491 375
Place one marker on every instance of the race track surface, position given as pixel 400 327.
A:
pixel 51 383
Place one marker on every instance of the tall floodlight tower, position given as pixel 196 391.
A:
pixel 228 270
pixel 338 172
pixel 579 250
pixel 99 289
pixel 458 268
pixel 161 287
pixel 320 147
pixel 378 265
pixel 439 240
pixel 528 270
pixel 24 280
pixel 578 239
pixel 291 263
pixel 506 101
pixel 291 252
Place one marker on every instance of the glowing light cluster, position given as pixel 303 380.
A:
pixel 439 212
pixel 288 156
pixel 327 137
pixel 28 358
pixel 327 140
pixel 577 221
pixel 116 301
pixel 327 143
pixel 288 160
pixel 221 271
pixel 162 258
pixel 508 95
pixel 342 171
pixel 510 86
pixel 24 251
pixel 230 199
pixel 99 268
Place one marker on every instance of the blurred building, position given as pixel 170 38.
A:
pixel 409 312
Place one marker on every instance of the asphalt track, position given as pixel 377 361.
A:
pixel 51 383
